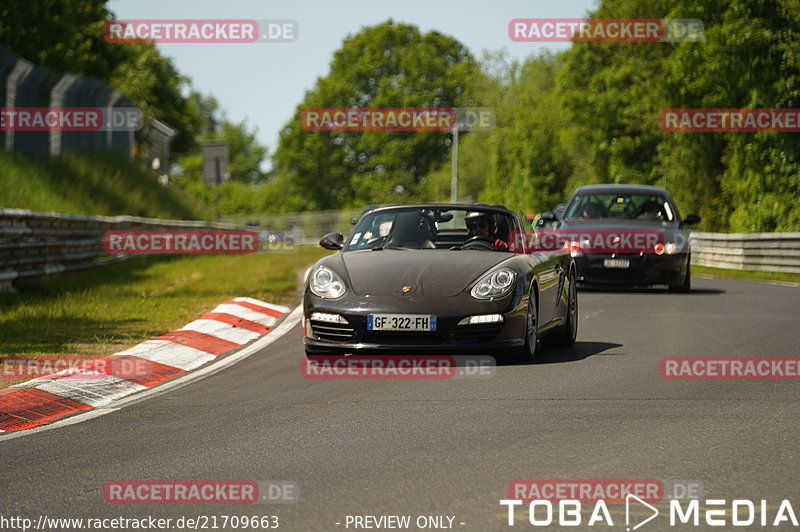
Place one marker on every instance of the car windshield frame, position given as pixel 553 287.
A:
pixel 445 224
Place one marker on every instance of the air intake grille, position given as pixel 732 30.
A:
pixel 332 332
pixel 477 333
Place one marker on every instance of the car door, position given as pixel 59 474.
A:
pixel 549 273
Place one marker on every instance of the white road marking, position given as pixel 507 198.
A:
pixel 92 391
pixel 275 334
pixel 170 354
pixel 279 308
pixel 245 313
pixel 223 330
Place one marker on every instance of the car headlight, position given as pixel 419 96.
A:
pixel 326 283
pixel 496 284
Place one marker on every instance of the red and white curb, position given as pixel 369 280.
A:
pixel 43 400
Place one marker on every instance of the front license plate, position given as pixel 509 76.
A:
pixel 617 263
pixel 401 322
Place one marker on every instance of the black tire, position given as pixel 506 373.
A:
pixel 564 335
pixel 686 285
pixel 528 352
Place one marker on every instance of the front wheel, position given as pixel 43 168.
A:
pixel 528 352
pixel 564 335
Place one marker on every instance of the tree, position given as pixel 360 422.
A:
pixel 68 36
pixel 388 65
pixel 63 35
pixel 247 190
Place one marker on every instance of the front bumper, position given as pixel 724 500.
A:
pixel 645 269
pixel 353 337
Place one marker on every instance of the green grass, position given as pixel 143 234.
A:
pixel 105 310
pixel 747 274
pixel 97 184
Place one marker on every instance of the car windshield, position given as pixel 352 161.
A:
pixel 636 206
pixel 429 228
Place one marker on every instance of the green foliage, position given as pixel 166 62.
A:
pixel 388 65
pixel 588 115
pixel 592 115
pixel 153 84
pixel 67 36
pixel 247 190
pixel 63 35
pixel 89 183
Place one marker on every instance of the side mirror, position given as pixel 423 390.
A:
pixel 547 217
pixel 692 219
pixel 332 241
pixel 353 220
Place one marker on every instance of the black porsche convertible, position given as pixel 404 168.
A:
pixel 436 278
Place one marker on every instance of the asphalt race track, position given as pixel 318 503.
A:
pixel 451 447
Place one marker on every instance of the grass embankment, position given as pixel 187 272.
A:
pixel 97 184
pixel 746 274
pixel 106 310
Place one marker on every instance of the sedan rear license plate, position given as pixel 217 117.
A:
pixel 617 263
pixel 401 322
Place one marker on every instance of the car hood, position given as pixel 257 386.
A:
pixel 428 272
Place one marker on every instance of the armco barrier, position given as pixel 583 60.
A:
pixel 770 252
pixel 304 228
pixel 40 243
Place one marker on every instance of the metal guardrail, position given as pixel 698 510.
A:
pixel 38 243
pixel 770 252
pixel 42 243
pixel 304 228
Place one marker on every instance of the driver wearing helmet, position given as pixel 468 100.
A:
pixel 482 224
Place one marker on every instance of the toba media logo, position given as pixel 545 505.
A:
pixel 574 503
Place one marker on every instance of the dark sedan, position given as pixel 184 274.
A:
pixel 438 278
pixel 625 235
